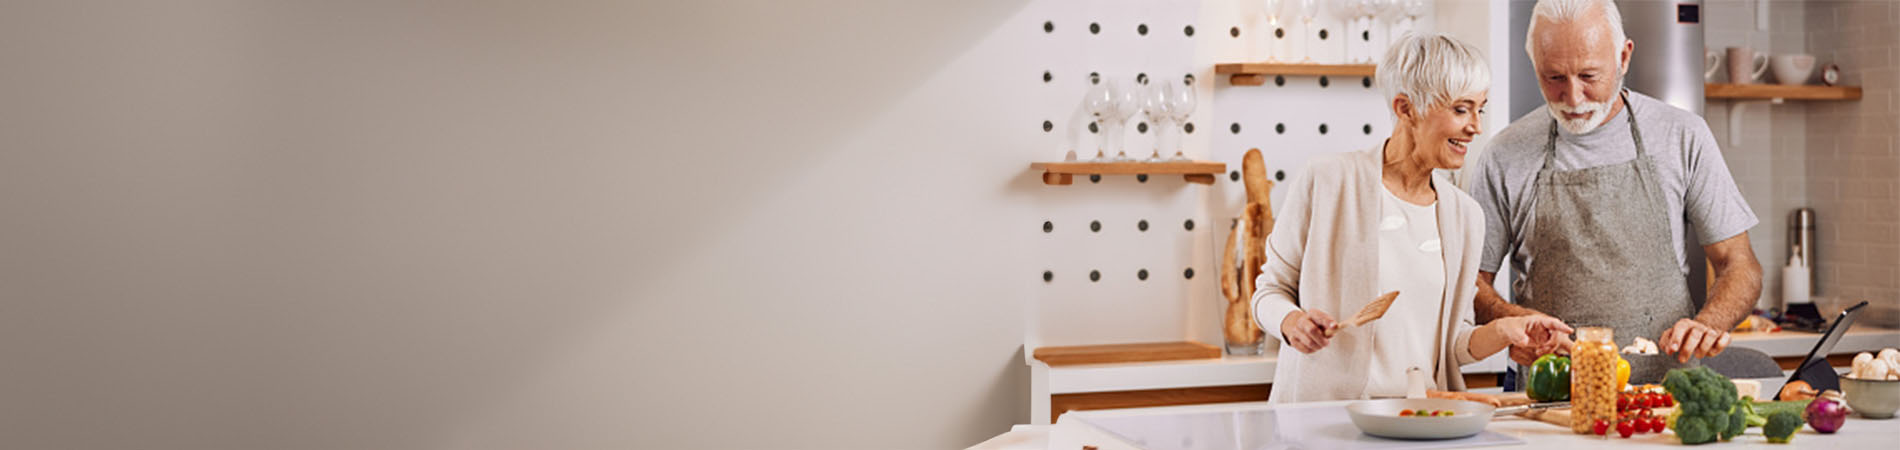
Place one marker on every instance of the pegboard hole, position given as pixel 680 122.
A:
pixel 1096 178
pixel 1234 175
pixel 1048 27
pixel 1048 227
pixel 1365 35
pixel 1141 29
pixel 1047 77
pixel 1048 126
pixel 1279 33
pixel 1095 28
pixel 1322 128
pixel 1142 127
pixel 1189 128
pixel 1188 30
pixel 1279 80
pixel 1235 128
pixel 1278 128
pixel 1048 276
pixel 1235 31
pixel 1094 128
pixel 1322 34
pixel 1142 275
pixel 1095 78
pixel 1141 78
pixel 1142 225
pixel 1141 178
pixel 1189 225
pixel 1367 82
pixel 1095 275
pixel 1279 175
pixel 1189 273
pixel 1324 82
pixel 1187 79
pixel 1095 226
pixel 1367 129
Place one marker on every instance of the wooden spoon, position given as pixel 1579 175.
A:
pixel 1372 311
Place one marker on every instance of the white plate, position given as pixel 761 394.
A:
pixel 1381 418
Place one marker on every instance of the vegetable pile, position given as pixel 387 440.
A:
pixel 1705 406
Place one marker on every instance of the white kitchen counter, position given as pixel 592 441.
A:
pixel 1072 433
pixel 1230 371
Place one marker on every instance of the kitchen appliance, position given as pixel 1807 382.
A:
pixel 1669 50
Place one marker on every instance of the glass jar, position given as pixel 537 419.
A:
pixel 1593 386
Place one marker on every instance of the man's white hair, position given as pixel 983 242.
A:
pixel 1431 68
pixel 1564 11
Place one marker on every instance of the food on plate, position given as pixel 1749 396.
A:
pixel 1641 347
pixel 1550 379
pixel 1781 426
pixel 1706 405
pixel 1826 413
pixel 1426 413
pixel 1797 390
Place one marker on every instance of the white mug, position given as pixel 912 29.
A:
pixel 1711 63
pixel 1740 59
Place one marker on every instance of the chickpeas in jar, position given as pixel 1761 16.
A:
pixel 1593 386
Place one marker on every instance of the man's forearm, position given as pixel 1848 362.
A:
pixel 1733 296
pixel 1490 306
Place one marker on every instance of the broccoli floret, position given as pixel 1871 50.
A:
pixel 1750 418
pixel 1694 430
pixel 1781 426
pixel 1705 401
pixel 1737 423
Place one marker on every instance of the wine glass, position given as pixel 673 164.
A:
pixel 1180 107
pixel 1272 8
pixel 1126 103
pixel 1307 9
pixel 1154 103
pixel 1411 9
pixel 1099 104
pixel 1349 12
pixel 1376 10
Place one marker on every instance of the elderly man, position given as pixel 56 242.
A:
pixel 1591 195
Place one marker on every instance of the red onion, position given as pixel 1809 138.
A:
pixel 1826 415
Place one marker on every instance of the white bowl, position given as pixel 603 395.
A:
pixel 1873 399
pixel 1792 69
pixel 1381 418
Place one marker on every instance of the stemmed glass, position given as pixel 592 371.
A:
pixel 1154 104
pixel 1349 12
pixel 1100 103
pixel 1411 9
pixel 1375 9
pixel 1180 107
pixel 1306 10
pixel 1126 102
pixel 1272 8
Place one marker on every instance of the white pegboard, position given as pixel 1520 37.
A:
pixel 1073 310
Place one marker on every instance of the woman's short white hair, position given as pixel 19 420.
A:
pixel 1564 11
pixel 1431 68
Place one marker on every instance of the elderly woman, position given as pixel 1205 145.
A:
pixel 1355 225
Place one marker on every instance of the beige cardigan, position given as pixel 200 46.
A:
pixel 1332 209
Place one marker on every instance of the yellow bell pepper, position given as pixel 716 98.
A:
pixel 1622 373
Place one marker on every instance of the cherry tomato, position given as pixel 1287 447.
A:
pixel 1642 425
pixel 1656 424
pixel 1601 427
pixel 1625 429
pixel 1622 402
pixel 1640 402
pixel 1405 413
pixel 1669 400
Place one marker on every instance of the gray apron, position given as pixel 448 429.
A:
pixel 1603 252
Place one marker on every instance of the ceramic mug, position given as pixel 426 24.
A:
pixel 1792 69
pixel 1740 59
pixel 1711 63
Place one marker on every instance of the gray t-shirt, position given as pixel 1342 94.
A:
pixel 1686 157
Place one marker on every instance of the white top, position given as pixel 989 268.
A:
pixel 1410 261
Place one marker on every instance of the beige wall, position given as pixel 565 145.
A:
pixel 1853 158
pixel 497 224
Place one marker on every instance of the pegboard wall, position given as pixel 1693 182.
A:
pixel 1136 259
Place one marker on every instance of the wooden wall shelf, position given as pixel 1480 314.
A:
pixel 1125 353
pixel 1255 74
pixel 1063 173
pixel 1777 91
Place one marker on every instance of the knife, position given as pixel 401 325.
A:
pixel 1530 407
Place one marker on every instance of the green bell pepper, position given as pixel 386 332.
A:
pixel 1550 379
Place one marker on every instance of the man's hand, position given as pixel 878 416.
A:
pixel 1306 330
pixel 1692 339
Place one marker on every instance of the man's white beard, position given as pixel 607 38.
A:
pixel 1587 123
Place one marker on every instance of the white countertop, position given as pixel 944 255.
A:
pixel 1072 433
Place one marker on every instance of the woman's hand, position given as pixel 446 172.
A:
pixel 1534 330
pixel 1306 330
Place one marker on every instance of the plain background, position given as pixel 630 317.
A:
pixel 497 224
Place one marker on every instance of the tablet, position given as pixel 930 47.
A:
pixel 1814 369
